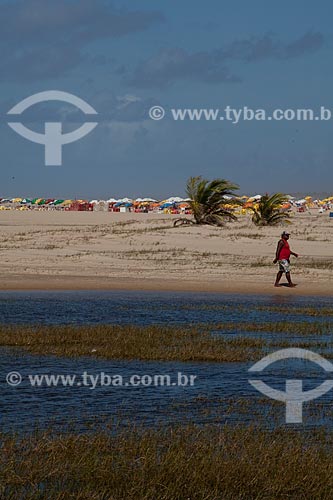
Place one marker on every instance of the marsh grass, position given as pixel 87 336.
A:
pixel 304 311
pixel 130 342
pixel 287 327
pixel 177 463
pixel 290 309
pixel 196 343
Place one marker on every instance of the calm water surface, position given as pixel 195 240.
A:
pixel 221 392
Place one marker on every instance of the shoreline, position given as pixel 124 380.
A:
pixel 114 251
pixel 88 283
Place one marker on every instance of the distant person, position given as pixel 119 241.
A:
pixel 282 256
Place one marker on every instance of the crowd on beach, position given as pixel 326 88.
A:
pixel 171 205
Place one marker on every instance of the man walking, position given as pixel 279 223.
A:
pixel 282 256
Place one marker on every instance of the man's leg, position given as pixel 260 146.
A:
pixel 289 280
pixel 278 277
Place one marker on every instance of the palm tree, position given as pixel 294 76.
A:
pixel 269 211
pixel 208 202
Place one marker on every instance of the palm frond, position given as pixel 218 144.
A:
pixel 269 212
pixel 208 200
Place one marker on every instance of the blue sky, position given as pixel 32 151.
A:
pixel 123 57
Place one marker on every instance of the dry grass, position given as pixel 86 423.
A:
pixel 322 264
pixel 326 264
pixel 252 236
pixel 196 463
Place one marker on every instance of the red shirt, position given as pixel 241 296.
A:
pixel 285 251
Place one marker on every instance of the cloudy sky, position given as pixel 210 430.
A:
pixel 124 57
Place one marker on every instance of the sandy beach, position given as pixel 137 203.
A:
pixel 102 250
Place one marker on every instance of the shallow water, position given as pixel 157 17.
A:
pixel 221 392
pixel 75 307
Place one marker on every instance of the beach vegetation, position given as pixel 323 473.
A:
pixel 178 462
pixel 211 202
pixel 269 210
pixel 200 342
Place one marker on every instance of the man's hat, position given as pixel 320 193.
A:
pixel 285 233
